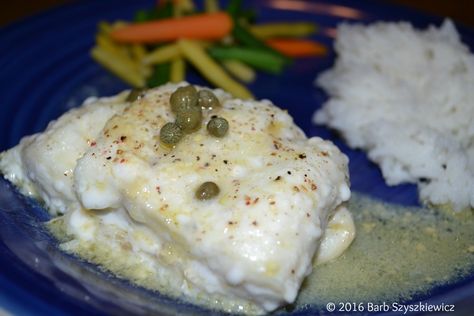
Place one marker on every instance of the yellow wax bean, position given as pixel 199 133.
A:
pixel 211 69
pixel 297 29
pixel 118 66
pixel 240 70
pixel 162 54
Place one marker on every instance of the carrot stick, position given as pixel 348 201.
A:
pixel 297 47
pixel 204 26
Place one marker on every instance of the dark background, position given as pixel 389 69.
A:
pixel 462 11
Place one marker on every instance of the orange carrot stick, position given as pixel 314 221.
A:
pixel 297 47
pixel 204 26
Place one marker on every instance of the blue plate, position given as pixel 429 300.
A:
pixel 46 70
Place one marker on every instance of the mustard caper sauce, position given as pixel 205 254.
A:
pixel 399 252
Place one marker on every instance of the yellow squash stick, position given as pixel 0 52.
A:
pixel 239 70
pixel 197 56
pixel 178 9
pixel 104 27
pixel 211 6
pixel 178 70
pixel 178 66
pixel 120 67
pixel 297 29
pixel 120 52
pixel 185 5
pixel 138 52
pixel 106 43
pixel 162 54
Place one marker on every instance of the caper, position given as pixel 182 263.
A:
pixel 189 120
pixel 134 94
pixel 171 134
pixel 217 126
pixel 207 191
pixel 183 98
pixel 207 100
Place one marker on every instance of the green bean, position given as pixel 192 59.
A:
pixel 249 40
pixel 166 11
pixel 142 16
pixel 162 12
pixel 254 57
pixel 161 75
pixel 234 7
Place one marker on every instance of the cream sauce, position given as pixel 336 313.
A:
pixel 398 252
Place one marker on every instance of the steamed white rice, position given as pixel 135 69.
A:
pixel 406 96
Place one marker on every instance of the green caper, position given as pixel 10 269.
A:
pixel 207 100
pixel 171 134
pixel 189 120
pixel 183 98
pixel 207 191
pixel 134 94
pixel 217 126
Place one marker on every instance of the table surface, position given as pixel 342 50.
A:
pixel 461 11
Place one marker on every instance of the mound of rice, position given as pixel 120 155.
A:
pixel 407 98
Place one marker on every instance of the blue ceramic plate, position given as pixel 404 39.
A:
pixel 46 70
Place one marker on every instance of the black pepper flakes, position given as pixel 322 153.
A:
pixel 276 145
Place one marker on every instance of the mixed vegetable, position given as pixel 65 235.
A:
pixel 224 45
